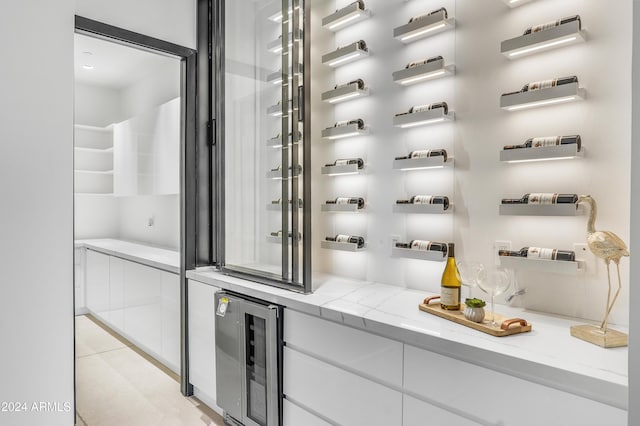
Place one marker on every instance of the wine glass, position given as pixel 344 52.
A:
pixel 470 273
pixel 495 282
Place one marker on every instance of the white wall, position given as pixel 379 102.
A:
pixel 134 214
pixel 36 217
pixel 160 86
pixel 96 106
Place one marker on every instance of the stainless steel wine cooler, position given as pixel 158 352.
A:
pixel 248 360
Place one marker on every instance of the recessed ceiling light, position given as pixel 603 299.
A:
pixel 87 66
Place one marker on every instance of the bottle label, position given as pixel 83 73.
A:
pixel 342 162
pixel 422 108
pixel 421 153
pixel 544 198
pixel 543 84
pixel 342 200
pixel 545 26
pixel 449 296
pixel 541 253
pixel 341 238
pixel 545 141
pixel 420 245
pixel 422 199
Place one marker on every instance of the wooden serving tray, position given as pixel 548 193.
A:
pixel 507 326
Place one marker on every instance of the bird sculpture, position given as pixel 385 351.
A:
pixel 607 246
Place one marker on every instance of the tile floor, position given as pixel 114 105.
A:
pixel 116 384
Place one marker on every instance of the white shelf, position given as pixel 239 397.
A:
pixel 542 265
pixel 275 46
pixel 89 128
pixel 276 77
pixel 341 208
pixel 431 255
pixel 343 94
pixel 422 163
pixel 553 38
pixel 422 208
pixel 95 172
pixel 515 3
pixel 340 132
pixel 276 142
pixel 421 73
pixel 94 194
pixel 345 17
pixel 540 210
pixel 423 118
pixel 346 169
pixel 537 98
pixel 344 55
pixel 276 110
pixel 333 245
pixel 277 174
pixel 543 153
pixel 424 27
pixel 94 150
pixel 277 207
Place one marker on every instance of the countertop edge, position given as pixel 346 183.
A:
pixel 131 257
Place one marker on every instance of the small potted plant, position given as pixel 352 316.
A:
pixel 474 311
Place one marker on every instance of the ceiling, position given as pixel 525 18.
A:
pixel 114 66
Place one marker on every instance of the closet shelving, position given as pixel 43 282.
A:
pixel 93 160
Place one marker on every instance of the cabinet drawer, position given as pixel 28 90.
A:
pixel 202 338
pixel 292 415
pixel 420 413
pixel 341 396
pixel 364 352
pixel 499 398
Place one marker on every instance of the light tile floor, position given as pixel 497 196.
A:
pixel 116 384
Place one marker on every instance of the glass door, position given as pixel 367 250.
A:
pixel 262 115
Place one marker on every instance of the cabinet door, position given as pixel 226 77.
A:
pixel 125 159
pixel 202 335
pixel 166 148
pixel 142 306
pixel 171 319
pixel 97 284
pixel 116 293
pixel 292 415
pixel 78 279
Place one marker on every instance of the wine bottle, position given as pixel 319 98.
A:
pixel 358 81
pixel 358 121
pixel 547 253
pixel 544 84
pixel 428 246
pixel 348 200
pixel 543 141
pixel 450 284
pixel 279 234
pixel 345 161
pixel 414 64
pixel 508 253
pixel 425 153
pixel 427 199
pixel 441 10
pixel 279 201
pixel 342 238
pixel 553 24
pixel 543 198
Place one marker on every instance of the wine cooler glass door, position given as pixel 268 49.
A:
pixel 263 139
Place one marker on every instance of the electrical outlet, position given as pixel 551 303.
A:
pixel 497 246
pixel 583 254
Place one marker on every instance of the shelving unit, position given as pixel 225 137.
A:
pixel 343 94
pixel 275 46
pixel 333 245
pixel 542 265
pixel 430 255
pixel 341 208
pixel 93 160
pixel 537 98
pixel 276 142
pixel 422 163
pixel 344 55
pixel 553 38
pixel 346 169
pixel 345 17
pixel 545 153
pixel 275 78
pixel 423 118
pixel 421 73
pixel 276 110
pixel 423 27
pixel 540 210
pixel 422 208
pixel 277 207
pixel 340 132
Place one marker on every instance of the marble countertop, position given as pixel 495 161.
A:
pixel 160 258
pixel 547 355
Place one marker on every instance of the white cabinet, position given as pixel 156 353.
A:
pixel 419 413
pixel 293 415
pixel 93 159
pixel 170 309
pixel 146 152
pixel 116 293
pixel 202 343
pixel 78 281
pixel 97 284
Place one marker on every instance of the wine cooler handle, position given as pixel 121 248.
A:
pixel 429 299
pixel 301 103
pixel 507 323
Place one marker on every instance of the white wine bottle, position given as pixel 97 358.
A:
pixel 450 284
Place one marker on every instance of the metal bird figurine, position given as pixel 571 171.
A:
pixel 607 246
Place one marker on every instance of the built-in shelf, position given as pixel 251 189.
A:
pixel 277 174
pixel 95 172
pixel 276 110
pixel 344 169
pixel 278 16
pixel 345 93
pixel 92 194
pixel 344 55
pixel 422 208
pixel 540 209
pixel 345 17
pixel 542 265
pixel 431 255
pixel 276 141
pixel 436 162
pixel 543 153
pixel 345 131
pixel 275 46
pixel 94 150
pixel 423 118
pixel 276 77
pixel 333 245
pixel 90 128
pixel 421 73
pixel 423 27
pixel 553 38
pixel 340 208
pixel 537 98
pixel 515 3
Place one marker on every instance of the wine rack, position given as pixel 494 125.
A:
pixel 345 131
pixel 342 94
pixel 344 55
pixel 423 118
pixel 423 163
pixel 347 16
pixel 559 152
pixel 341 208
pixel 275 46
pixel 423 27
pixel 543 97
pixel 421 208
pixel 552 38
pixel 422 73
pixel 345 169
pixel 430 255
pixel 333 245
pixel 540 209
pixel 542 265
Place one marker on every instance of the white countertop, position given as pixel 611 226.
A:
pixel 547 355
pixel 160 258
